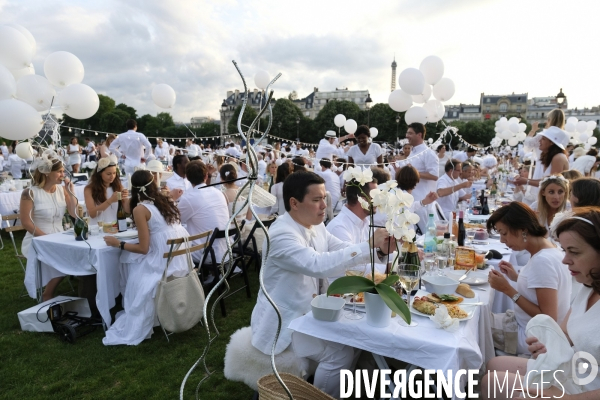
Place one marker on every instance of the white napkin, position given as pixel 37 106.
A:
pixel 443 320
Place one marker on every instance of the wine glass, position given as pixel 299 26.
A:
pixel 471 235
pixel 355 270
pixel 409 278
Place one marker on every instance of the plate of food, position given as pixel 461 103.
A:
pixel 426 305
pixel 360 299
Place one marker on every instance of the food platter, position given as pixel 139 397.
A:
pixel 469 309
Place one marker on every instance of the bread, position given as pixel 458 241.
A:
pixel 465 290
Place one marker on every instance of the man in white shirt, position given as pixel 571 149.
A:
pixel 424 160
pixel 90 149
pixel 328 146
pixel 301 250
pixel 161 151
pixel 203 208
pixel 351 225
pixel 464 156
pixel 4 150
pixel 232 151
pixel 193 150
pixel 178 180
pixel 262 167
pixel 16 165
pixel 466 175
pixel 332 181
pixel 448 188
pixel 132 146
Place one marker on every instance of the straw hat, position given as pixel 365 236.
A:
pixel 330 135
pixel 157 166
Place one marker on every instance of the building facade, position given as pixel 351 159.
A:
pixel 494 107
pixel 462 112
pixel 314 102
pixel 256 100
pixel 196 122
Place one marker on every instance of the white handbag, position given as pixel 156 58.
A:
pixel 180 300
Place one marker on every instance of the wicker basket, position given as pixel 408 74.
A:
pixel 269 388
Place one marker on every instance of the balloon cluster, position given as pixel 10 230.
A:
pixel 23 94
pixel 510 130
pixel 581 131
pixel 417 86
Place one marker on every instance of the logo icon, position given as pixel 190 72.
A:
pixel 584 363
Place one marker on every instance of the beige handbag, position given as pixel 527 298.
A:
pixel 180 300
pixel 505 332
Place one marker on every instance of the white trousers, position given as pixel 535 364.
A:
pixel 331 356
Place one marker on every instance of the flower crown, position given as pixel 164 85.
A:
pixel 106 162
pixel 555 177
pixel 46 161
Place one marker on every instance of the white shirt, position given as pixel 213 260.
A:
pixel 262 169
pixel 544 270
pixel 16 165
pixel 160 152
pixel 133 145
pixel 193 150
pixel 442 164
pixel 349 228
pixel 448 203
pixel 4 150
pixel 177 182
pixel 232 151
pixel 427 162
pixel 370 158
pixel 279 206
pixel 332 184
pixel 584 164
pixel 326 150
pixel 460 156
pixel 203 209
pixel 297 256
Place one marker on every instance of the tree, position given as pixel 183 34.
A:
pixel 249 116
pixel 324 120
pixel 114 121
pixel 384 119
pixel 129 110
pixel 286 112
pixel 208 129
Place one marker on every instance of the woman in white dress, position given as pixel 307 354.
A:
pixel 157 219
pixel 104 148
pixel 277 189
pixel 101 192
pixel 579 236
pixel 74 152
pixel 365 154
pixel 42 209
pixel 543 285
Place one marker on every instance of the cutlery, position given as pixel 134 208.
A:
pixel 462 278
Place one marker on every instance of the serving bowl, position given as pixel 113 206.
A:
pixel 440 284
pixel 327 308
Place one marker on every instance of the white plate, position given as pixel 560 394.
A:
pixel 470 310
pixel 474 278
pixel 126 235
pixel 348 298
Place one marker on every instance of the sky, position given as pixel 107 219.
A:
pixel 491 46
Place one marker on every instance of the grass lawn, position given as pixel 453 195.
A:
pixel 40 366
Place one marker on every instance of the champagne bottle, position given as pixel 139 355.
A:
pixel 485 209
pixel 411 257
pixel 81 228
pixel 121 216
pixel 462 232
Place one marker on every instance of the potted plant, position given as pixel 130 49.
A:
pixel 394 203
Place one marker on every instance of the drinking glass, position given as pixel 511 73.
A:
pixel 355 270
pixel 450 261
pixel 429 264
pixel 409 279
pixel 99 220
pixel 471 235
pixel 442 262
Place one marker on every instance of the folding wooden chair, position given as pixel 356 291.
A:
pixel 174 251
pixel 253 253
pixel 11 227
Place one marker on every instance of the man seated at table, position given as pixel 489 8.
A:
pixel 178 180
pixel 448 187
pixel 332 181
pixel 302 250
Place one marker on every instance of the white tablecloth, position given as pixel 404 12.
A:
pixel 10 201
pixel 423 345
pixel 62 252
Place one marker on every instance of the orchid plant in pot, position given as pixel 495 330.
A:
pixel 394 203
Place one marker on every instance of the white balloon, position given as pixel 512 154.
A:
pixel 570 127
pixel 374 132
pixel 15 50
pixel 411 81
pixel 21 72
pixel 503 119
pixel 513 141
pixel 514 128
pixel 435 110
pixel 63 69
pixel 27 35
pixel 572 120
pixel 163 95
pixel 497 129
pixel 399 100
pixel 575 135
pixel 36 91
pixel 444 89
pixel 430 140
pixel 522 127
pixel 587 146
pixel 339 120
pixel 584 137
pixel 506 135
pixel 497 123
pixel 504 125
pixel 20 121
pixel 591 125
pixel 24 150
pixel 513 120
pixel 593 140
pixel 262 79
pixel 521 136
pixel 8 85
pixel 416 114
pixel 423 97
pixel 432 68
pixel 79 101
pixel 581 126
pixel 350 126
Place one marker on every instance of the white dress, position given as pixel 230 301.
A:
pixel 110 214
pixel 144 271
pixel 74 158
pixel 365 159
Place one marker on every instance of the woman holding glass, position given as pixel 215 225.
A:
pixel 542 286
pixel 101 193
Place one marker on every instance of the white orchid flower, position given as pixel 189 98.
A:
pixel 411 217
pixel 391 184
pixel 363 177
pixel 349 174
pixel 363 203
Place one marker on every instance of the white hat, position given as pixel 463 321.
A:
pixel 157 166
pixel 330 135
pixel 557 136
